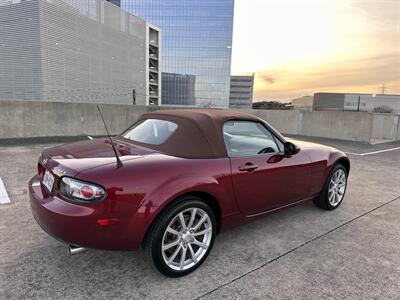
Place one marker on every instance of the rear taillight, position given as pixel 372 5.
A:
pixel 77 190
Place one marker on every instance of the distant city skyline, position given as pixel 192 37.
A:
pixel 299 47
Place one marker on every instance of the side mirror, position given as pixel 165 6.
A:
pixel 290 148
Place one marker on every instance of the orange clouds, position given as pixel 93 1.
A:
pixel 310 46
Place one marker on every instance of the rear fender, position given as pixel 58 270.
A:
pixel 167 192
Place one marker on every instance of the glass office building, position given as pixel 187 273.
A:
pixel 115 2
pixel 196 46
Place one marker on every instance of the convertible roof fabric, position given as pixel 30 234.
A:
pixel 199 132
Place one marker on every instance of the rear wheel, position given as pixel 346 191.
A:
pixel 334 188
pixel 182 237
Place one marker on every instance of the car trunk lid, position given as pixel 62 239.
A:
pixel 74 158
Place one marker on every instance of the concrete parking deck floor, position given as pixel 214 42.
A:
pixel 300 252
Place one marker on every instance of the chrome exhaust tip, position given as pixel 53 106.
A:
pixel 72 249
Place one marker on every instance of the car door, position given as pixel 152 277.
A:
pixel 263 177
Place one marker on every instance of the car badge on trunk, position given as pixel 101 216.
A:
pixel 59 172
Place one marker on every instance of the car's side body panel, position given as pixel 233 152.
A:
pixel 278 180
pixel 322 159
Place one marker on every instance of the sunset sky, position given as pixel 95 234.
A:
pixel 299 47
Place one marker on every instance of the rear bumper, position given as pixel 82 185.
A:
pixel 77 224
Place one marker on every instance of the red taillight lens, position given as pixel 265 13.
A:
pixel 87 191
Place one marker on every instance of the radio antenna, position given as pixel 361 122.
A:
pixel 119 162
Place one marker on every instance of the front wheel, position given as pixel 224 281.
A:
pixel 334 188
pixel 181 238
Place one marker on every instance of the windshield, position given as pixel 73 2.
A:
pixel 151 131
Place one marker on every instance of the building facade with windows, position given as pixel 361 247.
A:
pixel 77 51
pixel 179 88
pixel 241 91
pixel 196 45
pixel 356 102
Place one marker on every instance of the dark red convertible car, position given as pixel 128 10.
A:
pixel 179 178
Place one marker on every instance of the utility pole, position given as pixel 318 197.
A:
pixel 358 105
pixel 383 88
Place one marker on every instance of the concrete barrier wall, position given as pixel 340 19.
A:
pixel 23 119
pixel 285 121
pixel 30 119
pixel 385 127
pixel 353 126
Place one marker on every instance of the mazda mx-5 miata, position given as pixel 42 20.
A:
pixel 176 178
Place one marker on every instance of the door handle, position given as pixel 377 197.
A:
pixel 248 167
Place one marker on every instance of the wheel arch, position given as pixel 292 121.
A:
pixel 345 162
pixel 320 201
pixel 212 202
pixel 206 197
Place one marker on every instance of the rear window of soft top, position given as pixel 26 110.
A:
pixel 151 131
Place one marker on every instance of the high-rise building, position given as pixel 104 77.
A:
pixel 241 91
pixel 77 51
pixel 196 41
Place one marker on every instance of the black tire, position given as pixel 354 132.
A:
pixel 156 235
pixel 322 201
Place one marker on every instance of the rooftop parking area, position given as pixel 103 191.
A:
pixel 300 252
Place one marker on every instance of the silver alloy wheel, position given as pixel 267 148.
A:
pixel 337 187
pixel 186 239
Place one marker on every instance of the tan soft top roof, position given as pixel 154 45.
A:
pixel 199 132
